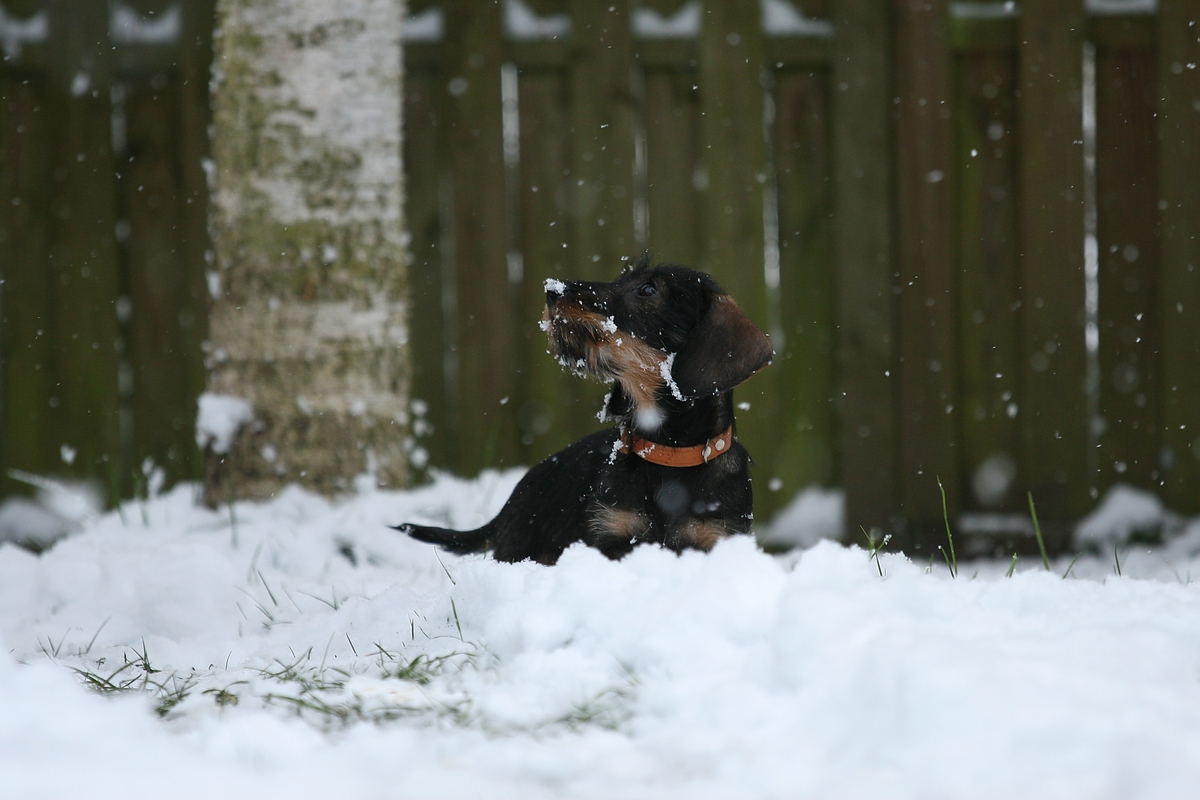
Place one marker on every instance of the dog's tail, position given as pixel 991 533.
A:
pixel 461 542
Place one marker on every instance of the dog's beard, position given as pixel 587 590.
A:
pixel 576 337
pixel 591 345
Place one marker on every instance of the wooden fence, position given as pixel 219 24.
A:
pixel 963 280
pixel 969 227
pixel 103 233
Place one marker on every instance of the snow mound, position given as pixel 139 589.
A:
pixel 814 514
pixel 219 418
pixel 59 507
pixel 265 634
pixel 1125 512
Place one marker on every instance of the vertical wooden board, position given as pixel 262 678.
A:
pixel 1126 197
pixel 83 254
pixel 1053 408
pixel 424 167
pixel 487 420
pixel 195 62
pixel 866 346
pixel 986 165
pixel 601 139
pixel 152 203
pixel 557 407
pixel 734 170
pixel 1179 231
pixel 803 369
pixel 672 120
pixel 733 152
pixel 26 376
pixel 929 380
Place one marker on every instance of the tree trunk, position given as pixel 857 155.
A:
pixel 309 321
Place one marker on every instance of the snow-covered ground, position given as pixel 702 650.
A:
pixel 299 648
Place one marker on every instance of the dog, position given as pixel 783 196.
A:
pixel 672 345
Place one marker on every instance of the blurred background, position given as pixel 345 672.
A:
pixel 971 229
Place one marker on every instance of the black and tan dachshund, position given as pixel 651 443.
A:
pixel 673 345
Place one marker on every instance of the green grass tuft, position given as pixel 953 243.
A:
pixel 952 559
pixel 1037 531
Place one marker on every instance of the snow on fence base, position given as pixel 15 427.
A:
pixel 728 674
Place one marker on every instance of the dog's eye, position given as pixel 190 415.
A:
pixel 648 290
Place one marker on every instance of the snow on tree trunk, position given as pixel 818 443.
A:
pixel 309 320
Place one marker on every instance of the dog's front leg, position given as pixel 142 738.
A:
pixel 615 531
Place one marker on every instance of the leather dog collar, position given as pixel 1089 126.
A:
pixel 667 456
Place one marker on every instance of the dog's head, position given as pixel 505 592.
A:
pixel 658 330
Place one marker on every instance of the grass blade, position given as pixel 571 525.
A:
pixel 953 560
pixel 1037 531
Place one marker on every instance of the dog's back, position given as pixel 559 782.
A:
pixel 556 490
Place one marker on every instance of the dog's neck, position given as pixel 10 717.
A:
pixel 684 423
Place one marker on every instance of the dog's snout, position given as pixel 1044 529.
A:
pixel 584 293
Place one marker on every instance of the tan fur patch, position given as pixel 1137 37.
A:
pixel 638 367
pixel 613 354
pixel 617 523
pixel 702 534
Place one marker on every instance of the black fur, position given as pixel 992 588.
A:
pixel 613 501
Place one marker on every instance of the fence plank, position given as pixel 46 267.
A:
pixel 600 162
pixel 1053 407
pixel 734 169
pixel 151 188
pixel 601 139
pixel 988 266
pixel 26 184
pixel 803 370
pixel 1126 194
pixel 929 379
pixel 557 407
pixel 424 179
pixel 672 116
pixel 475 48
pixel 195 60
pixel 1179 225
pixel 865 317
pixel 83 252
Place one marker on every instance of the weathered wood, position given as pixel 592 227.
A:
pixel 986 166
pixel 434 381
pixel 1179 230
pixel 195 61
pixel 599 142
pixel 929 372
pixel 557 407
pixel 1127 196
pixel 672 116
pixel 804 367
pixel 487 420
pixel 600 139
pixel 734 168
pixel 973 33
pixel 163 396
pixel 732 152
pixel 27 420
pixel 83 252
pixel 1053 405
pixel 866 346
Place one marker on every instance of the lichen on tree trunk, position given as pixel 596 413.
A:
pixel 309 319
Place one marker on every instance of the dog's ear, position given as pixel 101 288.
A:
pixel 725 349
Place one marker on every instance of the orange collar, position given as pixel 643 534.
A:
pixel 667 456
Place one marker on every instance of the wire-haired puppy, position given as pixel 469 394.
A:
pixel 673 345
